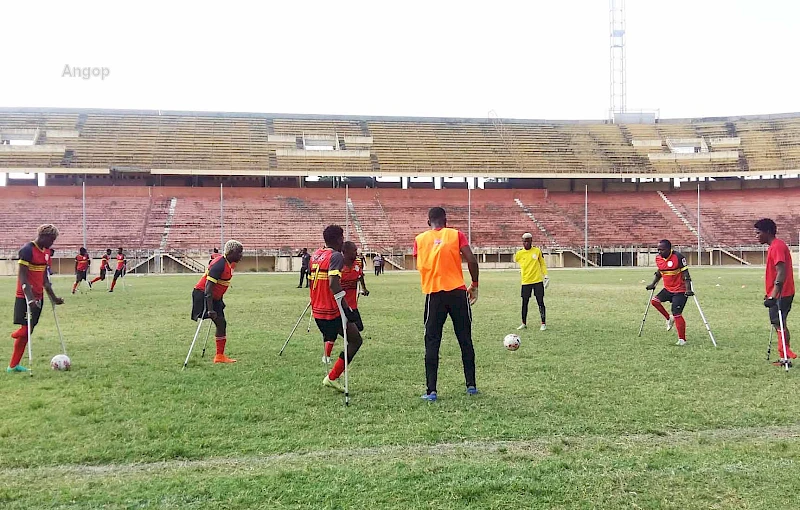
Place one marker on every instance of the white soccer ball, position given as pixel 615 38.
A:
pixel 60 362
pixel 511 342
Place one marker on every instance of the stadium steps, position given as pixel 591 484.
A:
pixel 173 203
pixel 351 209
pixel 679 215
pixel 551 241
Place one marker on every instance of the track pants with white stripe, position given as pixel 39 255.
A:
pixel 438 306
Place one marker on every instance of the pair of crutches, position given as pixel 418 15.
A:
pixel 696 302
pixel 28 323
pixel 200 320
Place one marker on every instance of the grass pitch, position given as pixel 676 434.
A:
pixel 584 415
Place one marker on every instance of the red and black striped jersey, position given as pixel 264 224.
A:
pixel 220 273
pixel 120 261
pixel 104 264
pixel 350 277
pixel 671 270
pixel 81 262
pixel 36 260
pixel 325 262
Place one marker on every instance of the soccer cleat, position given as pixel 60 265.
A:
pixel 326 360
pixel 782 362
pixel 522 326
pixel 18 368
pixel 90 284
pixel 543 328
pixel 670 323
pixel 680 341
pixel 333 384
pixel 111 290
pixel 221 358
pixel 430 397
pixel 472 390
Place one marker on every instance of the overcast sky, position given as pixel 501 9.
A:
pixel 525 59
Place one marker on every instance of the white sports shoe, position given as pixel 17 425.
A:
pixel 681 341
pixel 543 328
pixel 670 322
pixel 326 360
pixel 522 326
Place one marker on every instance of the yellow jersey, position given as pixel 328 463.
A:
pixel 532 266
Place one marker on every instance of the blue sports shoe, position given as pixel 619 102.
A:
pixel 18 368
pixel 430 397
pixel 472 390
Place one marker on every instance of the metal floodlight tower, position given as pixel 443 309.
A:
pixel 617 61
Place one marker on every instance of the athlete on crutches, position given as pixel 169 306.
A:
pixel 32 282
pixel 779 288
pixel 672 268
pixel 333 316
pixel 207 300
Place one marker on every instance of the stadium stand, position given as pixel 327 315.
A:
pixel 247 144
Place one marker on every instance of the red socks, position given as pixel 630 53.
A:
pixel 337 369
pixel 680 323
pixel 95 280
pixel 113 283
pixel 658 306
pixel 19 348
pixel 328 349
pixel 221 344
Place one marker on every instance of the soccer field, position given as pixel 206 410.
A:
pixel 583 415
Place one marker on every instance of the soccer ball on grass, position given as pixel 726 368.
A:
pixel 511 342
pixel 60 362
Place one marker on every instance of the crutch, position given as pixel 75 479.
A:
pixel 702 316
pixel 295 327
pixel 344 331
pixel 200 320
pixel 208 332
pixel 58 327
pixel 30 342
pixel 314 286
pixel 769 345
pixel 646 309
pixel 783 337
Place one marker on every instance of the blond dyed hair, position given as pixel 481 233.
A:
pixel 232 245
pixel 47 230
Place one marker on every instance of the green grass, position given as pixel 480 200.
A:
pixel 584 415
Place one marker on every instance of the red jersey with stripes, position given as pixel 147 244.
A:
pixel 81 263
pixel 325 262
pixel 350 277
pixel 779 252
pixel 36 260
pixel 671 270
pixel 219 272
pixel 104 263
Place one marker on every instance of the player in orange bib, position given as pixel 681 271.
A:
pixel 122 266
pixel 104 267
pixel 673 270
pixel 82 263
pixel 33 281
pixel 326 287
pixel 438 252
pixel 207 295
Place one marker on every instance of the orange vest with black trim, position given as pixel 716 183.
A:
pixel 221 283
pixel 323 304
pixel 439 260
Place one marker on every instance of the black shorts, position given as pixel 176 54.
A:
pixel 330 328
pixel 786 307
pixel 199 305
pixel 118 273
pixel 678 300
pixel 80 275
pixel 21 313
pixel 102 274
pixel 536 288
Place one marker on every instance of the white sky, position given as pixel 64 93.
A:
pixel 525 59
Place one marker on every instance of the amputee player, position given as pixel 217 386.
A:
pixel 208 293
pixel 673 270
pixel 122 265
pixel 33 281
pixel 779 283
pixel 533 273
pixel 438 252
pixel 104 267
pixel 82 264
pixel 326 274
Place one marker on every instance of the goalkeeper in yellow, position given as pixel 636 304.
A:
pixel 534 278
